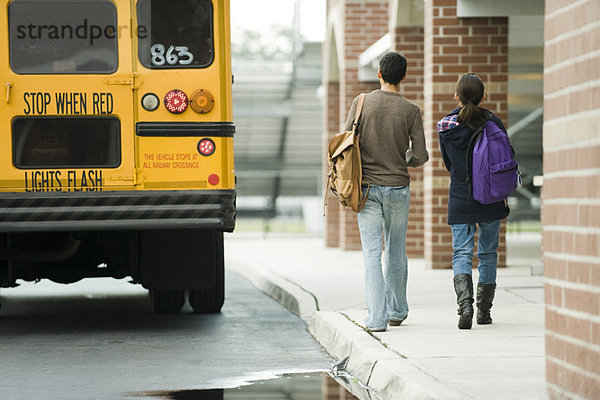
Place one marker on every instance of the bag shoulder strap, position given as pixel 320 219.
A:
pixel 357 203
pixel 474 139
pixel 359 107
pixel 476 135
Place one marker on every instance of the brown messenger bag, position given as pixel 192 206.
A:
pixel 344 177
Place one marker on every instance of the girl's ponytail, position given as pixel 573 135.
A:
pixel 469 90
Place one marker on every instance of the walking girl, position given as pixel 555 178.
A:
pixel 465 214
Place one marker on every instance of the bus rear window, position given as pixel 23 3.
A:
pixel 175 34
pixel 63 37
pixel 66 142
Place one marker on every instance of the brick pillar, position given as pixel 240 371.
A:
pixel 570 208
pixel 332 127
pixel 455 46
pixel 408 41
pixel 364 22
pixel 349 234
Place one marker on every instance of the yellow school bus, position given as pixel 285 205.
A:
pixel 116 145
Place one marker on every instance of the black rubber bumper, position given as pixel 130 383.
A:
pixel 213 129
pixel 117 210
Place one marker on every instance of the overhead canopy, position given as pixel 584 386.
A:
pixel 495 8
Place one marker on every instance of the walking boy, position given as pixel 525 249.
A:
pixel 387 122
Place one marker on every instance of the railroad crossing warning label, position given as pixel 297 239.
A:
pixel 171 161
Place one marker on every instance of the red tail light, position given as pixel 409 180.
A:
pixel 213 179
pixel 176 101
pixel 206 147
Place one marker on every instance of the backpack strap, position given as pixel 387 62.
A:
pixel 470 149
pixel 359 107
pixel 476 135
pixel 359 204
pixel 362 203
pixel 326 192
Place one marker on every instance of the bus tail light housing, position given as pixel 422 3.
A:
pixel 202 101
pixel 176 101
pixel 150 102
pixel 206 147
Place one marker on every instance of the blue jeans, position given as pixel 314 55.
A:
pixel 385 216
pixel 463 242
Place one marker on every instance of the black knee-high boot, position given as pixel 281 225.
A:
pixel 463 286
pixel 485 296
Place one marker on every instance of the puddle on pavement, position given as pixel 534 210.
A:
pixel 314 386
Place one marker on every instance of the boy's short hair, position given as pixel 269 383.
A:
pixel 393 67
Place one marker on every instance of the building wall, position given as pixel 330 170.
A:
pixel 409 41
pixel 571 198
pixel 332 127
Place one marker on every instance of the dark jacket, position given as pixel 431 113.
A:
pixel 462 207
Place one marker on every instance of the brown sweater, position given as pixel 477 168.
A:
pixel 386 122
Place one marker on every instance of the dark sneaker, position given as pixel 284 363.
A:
pixel 396 322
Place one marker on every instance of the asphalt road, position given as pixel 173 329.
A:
pixel 97 339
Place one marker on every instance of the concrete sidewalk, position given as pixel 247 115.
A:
pixel 427 357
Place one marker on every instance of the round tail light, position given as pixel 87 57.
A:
pixel 150 102
pixel 206 147
pixel 213 179
pixel 202 101
pixel 176 101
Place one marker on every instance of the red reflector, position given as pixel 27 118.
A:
pixel 213 179
pixel 176 101
pixel 206 147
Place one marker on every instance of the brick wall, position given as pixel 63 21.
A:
pixel 408 40
pixel 332 127
pixel 571 193
pixel 455 46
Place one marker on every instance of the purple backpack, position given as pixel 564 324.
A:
pixel 495 172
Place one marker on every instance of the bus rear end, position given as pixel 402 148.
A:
pixel 116 155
